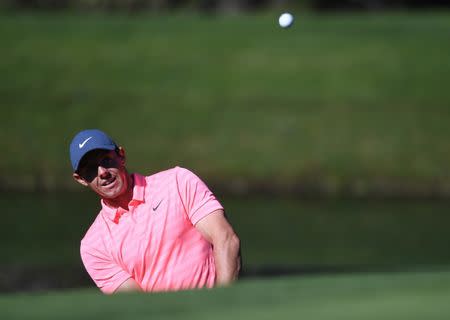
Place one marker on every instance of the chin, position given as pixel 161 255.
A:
pixel 116 192
pixel 112 194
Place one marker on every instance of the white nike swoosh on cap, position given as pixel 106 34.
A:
pixel 81 145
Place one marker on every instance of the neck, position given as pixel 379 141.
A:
pixel 124 199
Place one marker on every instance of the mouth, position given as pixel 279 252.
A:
pixel 109 182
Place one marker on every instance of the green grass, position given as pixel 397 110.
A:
pixel 363 296
pixel 335 98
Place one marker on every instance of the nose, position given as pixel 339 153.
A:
pixel 102 172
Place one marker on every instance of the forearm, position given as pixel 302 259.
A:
pixel 129 285
pixel 227 259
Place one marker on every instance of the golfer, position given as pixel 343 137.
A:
pixel 161 232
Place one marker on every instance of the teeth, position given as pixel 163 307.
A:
pixel 109 182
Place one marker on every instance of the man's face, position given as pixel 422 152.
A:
pixel 104 172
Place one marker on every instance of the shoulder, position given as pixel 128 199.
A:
pixel 172 173
pixel 177 179
pixel 94 236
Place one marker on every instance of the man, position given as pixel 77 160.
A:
pixel 160 232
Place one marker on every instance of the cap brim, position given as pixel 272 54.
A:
pixel 87 150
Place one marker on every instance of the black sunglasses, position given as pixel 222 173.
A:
pixel 88 168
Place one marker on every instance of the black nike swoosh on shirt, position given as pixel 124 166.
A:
pixel 155 208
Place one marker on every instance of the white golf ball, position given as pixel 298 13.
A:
pixel 286 20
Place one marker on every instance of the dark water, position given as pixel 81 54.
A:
pixel 41 233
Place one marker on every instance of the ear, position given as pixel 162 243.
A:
pixel 121 153
pixel 79 179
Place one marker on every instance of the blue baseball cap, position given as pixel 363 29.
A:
pixel 88 140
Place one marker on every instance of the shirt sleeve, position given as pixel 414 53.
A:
pixel 197 199
pixel 106 274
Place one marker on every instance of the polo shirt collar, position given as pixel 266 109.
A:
pixel 137 199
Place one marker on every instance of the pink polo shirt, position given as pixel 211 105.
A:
pixel 155 242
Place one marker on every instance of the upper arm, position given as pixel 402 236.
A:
pixel 215 227
pixel 107 275
pixel 197 199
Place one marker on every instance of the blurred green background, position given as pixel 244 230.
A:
pixel 327 143
pixel 337 100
